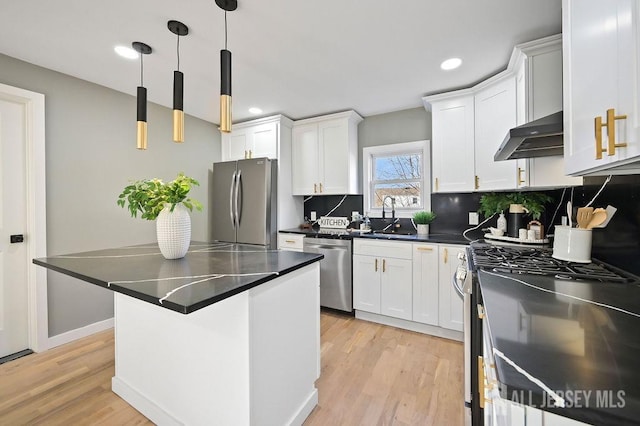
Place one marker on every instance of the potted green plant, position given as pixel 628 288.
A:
pixel 422 219
pixel 497 202
pixel 169 205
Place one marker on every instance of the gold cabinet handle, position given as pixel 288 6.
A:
pixel 610 124
pixel 425 248
pixel 481 381
pixel 375 268
pixel 245 154
pixel 437 185
pixel 445 256
pixel 315 188
pixel 519 179
pixel 320 187
pixel 477 182
pixel 384 265
pixel 250 154
pixel 598 129
pixel 289 241
pixel 611 131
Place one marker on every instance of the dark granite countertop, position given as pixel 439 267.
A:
pixel 431 238
pixel 579 338
pixel 209 273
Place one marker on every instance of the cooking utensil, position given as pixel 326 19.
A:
pixel 569 212
pixel 583 217
pixel 597 217
pixel 610 212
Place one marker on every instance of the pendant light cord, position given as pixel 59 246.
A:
pixel 225 30
pixel 178 51
pixel 141 70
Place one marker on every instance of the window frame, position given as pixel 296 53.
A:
pixel 369 153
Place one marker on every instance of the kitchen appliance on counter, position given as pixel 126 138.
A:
pixel 244 202
pixel 516 260
pixel 336 277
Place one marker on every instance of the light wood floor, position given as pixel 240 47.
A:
pixel 371 375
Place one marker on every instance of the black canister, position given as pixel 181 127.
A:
pixel 516 219
pixel 515 222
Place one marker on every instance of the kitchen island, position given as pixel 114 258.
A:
pixel 230 334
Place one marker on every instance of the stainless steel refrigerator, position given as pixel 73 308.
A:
pixel 244 202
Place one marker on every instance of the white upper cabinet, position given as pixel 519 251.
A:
pixel 601 86
pixel 495 114
pixel 251 139
pixel 325 155
pixel 539 94
pixel 469 125
pixel 452 148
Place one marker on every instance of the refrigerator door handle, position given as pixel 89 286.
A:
pixel 238 184
pixel 231 188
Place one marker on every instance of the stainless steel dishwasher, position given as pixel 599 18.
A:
pixel 336 288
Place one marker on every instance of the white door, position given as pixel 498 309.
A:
pixel 14 334
pixel 304 162
pixel 395 288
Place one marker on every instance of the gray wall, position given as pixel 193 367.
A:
pixel 400 126
pixel 90 157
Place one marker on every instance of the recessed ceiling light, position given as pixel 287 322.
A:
pixel 126 52
pixel 254 110
pixel 451 63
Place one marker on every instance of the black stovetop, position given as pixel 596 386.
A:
pixel 539 261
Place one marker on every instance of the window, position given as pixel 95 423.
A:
pixel 399 173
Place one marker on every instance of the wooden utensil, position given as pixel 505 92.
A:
pixel 598 217
pixel 583 217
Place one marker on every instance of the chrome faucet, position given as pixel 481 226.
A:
pixel 393 207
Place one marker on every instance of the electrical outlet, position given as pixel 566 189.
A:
pixel 355 215
pixel 474 218
pixel 313 216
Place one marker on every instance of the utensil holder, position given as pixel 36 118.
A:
pixel 572 244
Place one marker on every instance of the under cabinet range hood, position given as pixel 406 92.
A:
pixel 537 138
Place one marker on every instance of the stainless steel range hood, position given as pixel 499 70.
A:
pixel 537 138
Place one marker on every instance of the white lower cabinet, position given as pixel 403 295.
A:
pixel 382 278
pixel 408 281
pixel 291 242
pixel 425 283
pixel 450 304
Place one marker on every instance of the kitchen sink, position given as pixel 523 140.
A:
pixel 393 232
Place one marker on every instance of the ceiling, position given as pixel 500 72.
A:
pixel 299 58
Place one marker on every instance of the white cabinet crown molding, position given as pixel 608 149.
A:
pixel 351 115
pixel 282 119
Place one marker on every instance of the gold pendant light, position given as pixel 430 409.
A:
pixel 179 29
pixel 225 70
pixel 142 49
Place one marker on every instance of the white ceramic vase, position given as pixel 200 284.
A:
pixel 173 229
pixel 423 229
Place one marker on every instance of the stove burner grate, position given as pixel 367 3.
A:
pixel 538 261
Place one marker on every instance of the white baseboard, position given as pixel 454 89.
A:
pixel 143 404
pixel 79 333
pixel 305 409
pixel 411 325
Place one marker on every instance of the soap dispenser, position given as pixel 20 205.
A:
pixel 502 223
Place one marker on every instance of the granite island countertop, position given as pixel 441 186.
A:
pixel 579 338
pixel 209 273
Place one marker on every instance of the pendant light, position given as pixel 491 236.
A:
pixel 225 70
pixel 179 29
pixel 142 49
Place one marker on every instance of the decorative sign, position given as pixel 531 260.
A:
pixel 334 222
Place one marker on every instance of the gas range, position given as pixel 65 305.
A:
pixel 538 261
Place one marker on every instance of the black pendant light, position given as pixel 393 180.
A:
pixel 179 29
pixel 225 70
pixel 142 49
